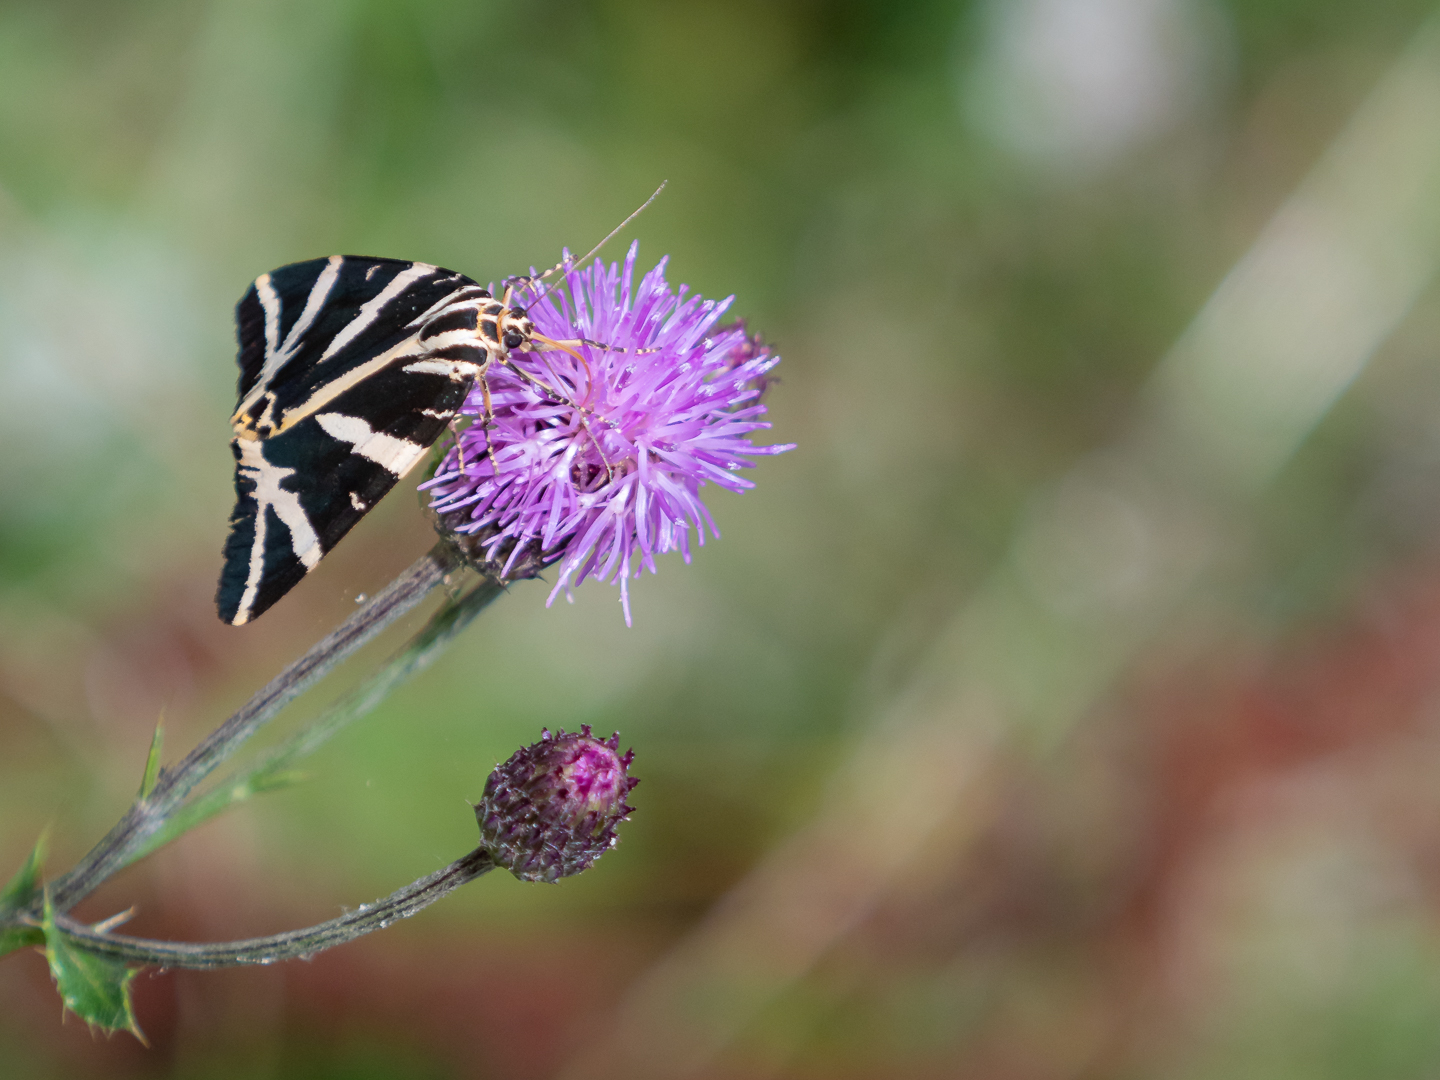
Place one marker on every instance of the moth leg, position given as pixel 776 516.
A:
pixel 580 407
pixel 555 396
pixel 609 470
pixel 515 280
pixel 487 421
pixel 459 446
pixel 569 347
pixel 532 280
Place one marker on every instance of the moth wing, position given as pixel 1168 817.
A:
pixel 304 324
pixel 301 490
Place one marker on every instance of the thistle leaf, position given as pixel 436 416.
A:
pixel 152 761
pixel 18 893
pixel 17 937
pixel 94 988
pixel 22 888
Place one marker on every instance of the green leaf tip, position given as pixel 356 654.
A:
pixel 152 761
pixel 19 893
pixel 95 988
pixel 22 888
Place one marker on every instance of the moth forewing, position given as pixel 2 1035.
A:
pixel 329 417
pixel 350 368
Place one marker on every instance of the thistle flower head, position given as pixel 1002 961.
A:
pixel 551 810
pixel 593 458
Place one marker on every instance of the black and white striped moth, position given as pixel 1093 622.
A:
pixel 350 368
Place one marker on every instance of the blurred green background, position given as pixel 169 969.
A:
pixel 1067 705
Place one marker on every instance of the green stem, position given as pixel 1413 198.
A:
pixel 296 943
pixel 418 654
pixel 148 815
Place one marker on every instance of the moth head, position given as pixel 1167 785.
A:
pixel 515 330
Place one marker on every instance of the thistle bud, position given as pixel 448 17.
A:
pixel 551 810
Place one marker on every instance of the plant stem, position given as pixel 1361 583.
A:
pixel 147 815
pixel 296 943
pixel 422 650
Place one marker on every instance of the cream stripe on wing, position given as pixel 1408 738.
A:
pixel 256 566
pixel 268 493
pixel 270 303
pixel 434 309
pixel 329 391
pixel 396 455
pixel 275 357
pixel 319 293
pixel 370 310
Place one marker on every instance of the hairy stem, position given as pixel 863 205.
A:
pixel 147 815
pixel 296 943
pixel 419 653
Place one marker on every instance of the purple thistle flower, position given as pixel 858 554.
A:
pixel 599 467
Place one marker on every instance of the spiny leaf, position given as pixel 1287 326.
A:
pixel 152 762
pixel 17 937
pixel 94 988
pixel 19 893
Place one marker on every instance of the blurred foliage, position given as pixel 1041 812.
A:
pixel 964 309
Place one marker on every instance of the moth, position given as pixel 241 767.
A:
pixel 350 368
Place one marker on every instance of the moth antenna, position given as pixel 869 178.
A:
pixel 576 265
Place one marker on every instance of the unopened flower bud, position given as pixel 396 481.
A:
pixel 551 810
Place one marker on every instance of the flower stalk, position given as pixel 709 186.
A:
pixel 295 944
pixel 131 836
pixel 548 812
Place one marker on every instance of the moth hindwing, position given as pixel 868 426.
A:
pixel 350 368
